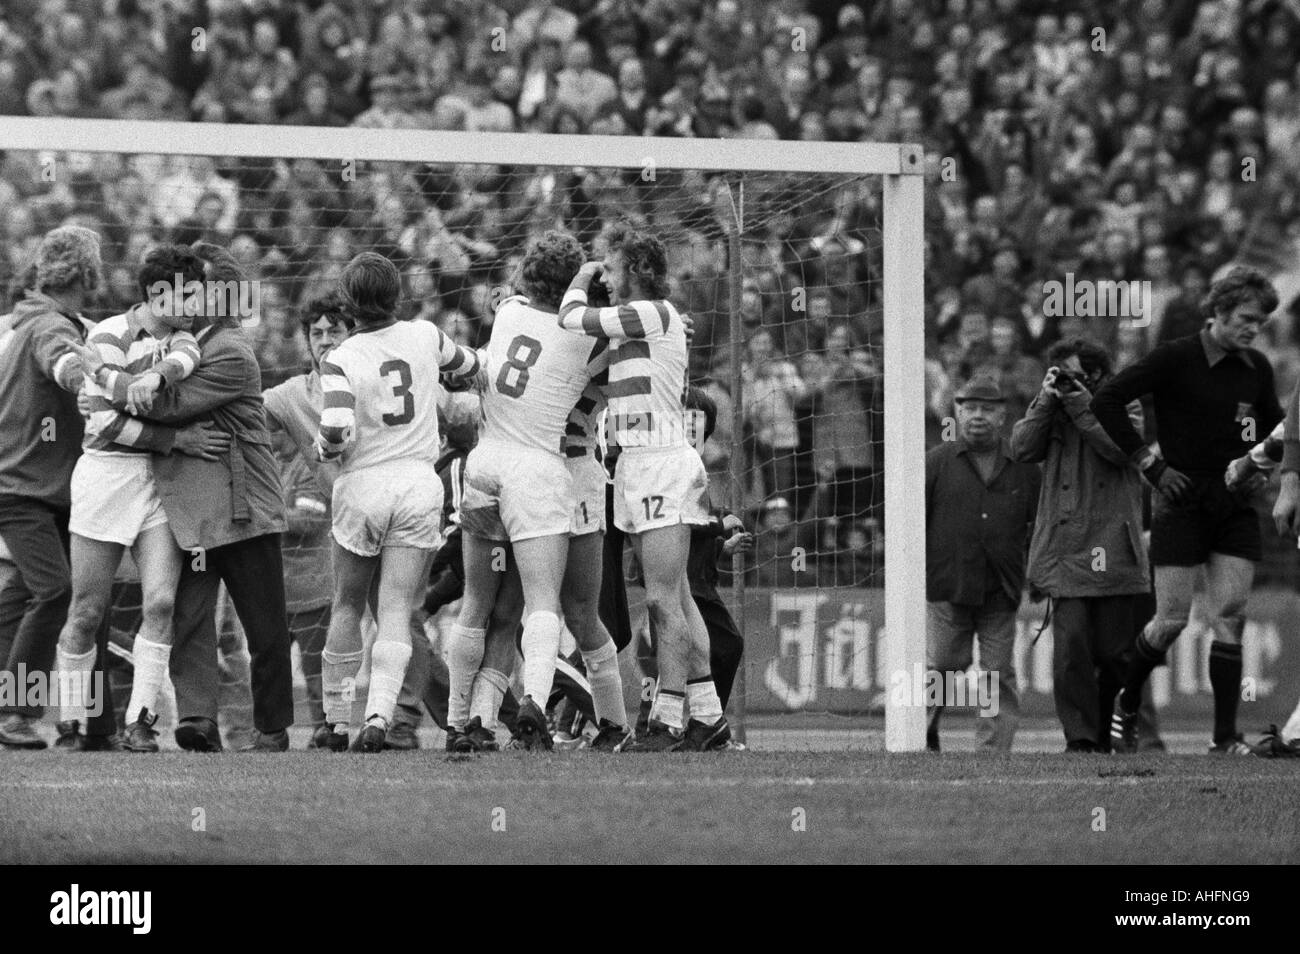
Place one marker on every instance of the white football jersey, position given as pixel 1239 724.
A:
pixel 535 374
pixel 381 394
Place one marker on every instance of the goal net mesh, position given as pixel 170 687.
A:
pixel 796 257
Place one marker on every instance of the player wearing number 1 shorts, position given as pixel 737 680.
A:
pixel 518 490
pixel 380 421
pixel 660 482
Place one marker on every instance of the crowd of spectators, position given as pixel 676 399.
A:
pixel 1146 140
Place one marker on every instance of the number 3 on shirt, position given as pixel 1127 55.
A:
pixel 519 364
pixel 401 390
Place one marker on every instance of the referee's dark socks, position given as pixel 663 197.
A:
pixel 1225 680
pixel 1143 662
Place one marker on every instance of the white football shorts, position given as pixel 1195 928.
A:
pixel 588 495
pixel 659 487
pixel 388 506
pixel 515 493
pixel 114 497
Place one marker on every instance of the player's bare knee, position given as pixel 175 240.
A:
pixel 662 610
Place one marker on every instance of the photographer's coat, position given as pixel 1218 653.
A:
pixel 1087 540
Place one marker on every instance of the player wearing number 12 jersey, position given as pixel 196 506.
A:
pixel 380 421
pixel 519 489
pixel 660 483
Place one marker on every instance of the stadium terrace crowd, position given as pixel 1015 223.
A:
pixel 1107 140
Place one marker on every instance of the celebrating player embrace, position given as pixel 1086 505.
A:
pixel 380 420
pixel 519 490
pixel 660 481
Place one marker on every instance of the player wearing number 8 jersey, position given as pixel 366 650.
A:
pixel 518 490
pixel 380 421
pixel 660 482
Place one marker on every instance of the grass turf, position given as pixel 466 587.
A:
pixel 314 807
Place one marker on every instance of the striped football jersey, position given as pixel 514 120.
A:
pixel 581 431
pixel 381 394
pixel 647 366
pixel 535 374
pixel 129 350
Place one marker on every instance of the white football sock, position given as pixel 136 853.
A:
pixel 150 669
pixel 540 643
pixel 339 684
pixel 485 699
pixel 705 705
pixel 1291 731
pixel 388 661
pixel 464 656
pixel 74 682
pixel 667 708
pixel 606 683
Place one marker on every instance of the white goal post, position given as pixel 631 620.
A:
pixel 900 167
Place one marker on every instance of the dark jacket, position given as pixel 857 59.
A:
pixel 212 503
pixel 1091 498
pixel 447 571
pixel 976 534
pixel 40 427
pixel 702 561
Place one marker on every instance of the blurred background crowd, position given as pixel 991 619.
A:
pixel 1152 140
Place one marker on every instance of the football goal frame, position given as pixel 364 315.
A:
pixel 900 167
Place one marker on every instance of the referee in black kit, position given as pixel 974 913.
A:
pixel 1214 397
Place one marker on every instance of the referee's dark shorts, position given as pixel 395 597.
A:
pixel 1213 520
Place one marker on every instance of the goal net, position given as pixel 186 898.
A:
pixel 800 264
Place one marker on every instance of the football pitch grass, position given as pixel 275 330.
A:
pixel 581 807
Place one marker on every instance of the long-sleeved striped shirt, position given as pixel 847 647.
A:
pixel 129 350
pixel 381 394
pixel 581 435
pixel 647 366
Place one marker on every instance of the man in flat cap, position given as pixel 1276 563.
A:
pixel 980 505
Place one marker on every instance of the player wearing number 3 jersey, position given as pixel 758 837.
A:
pixel 518 491
pixel 380 421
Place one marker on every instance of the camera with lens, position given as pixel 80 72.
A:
pixel 1067 380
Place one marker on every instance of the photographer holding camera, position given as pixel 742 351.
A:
pixel 1086 552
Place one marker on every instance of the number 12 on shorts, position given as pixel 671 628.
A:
pixel 658 501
